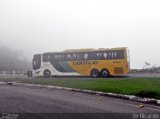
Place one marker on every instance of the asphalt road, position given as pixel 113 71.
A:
pixel 17 99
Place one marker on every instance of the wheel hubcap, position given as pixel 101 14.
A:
pixel 105 73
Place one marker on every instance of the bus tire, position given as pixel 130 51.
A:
pixel 104 73
pixel 94 73
pixel 47 73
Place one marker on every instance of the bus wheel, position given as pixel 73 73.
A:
pixel 104 73
pixel 47 73
pixel 94 73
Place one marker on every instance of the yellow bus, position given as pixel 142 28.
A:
pixel 102 62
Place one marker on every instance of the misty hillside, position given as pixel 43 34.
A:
pixel 11 59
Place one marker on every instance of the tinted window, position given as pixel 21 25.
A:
pixel 115 54
pixel 120 54
pixel 36 61
pixel 85 55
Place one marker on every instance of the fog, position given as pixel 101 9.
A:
pixel 37 26
pixel 11 59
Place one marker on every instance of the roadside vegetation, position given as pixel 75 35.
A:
pixel 143 87
pixel 13 60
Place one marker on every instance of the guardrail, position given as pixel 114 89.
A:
pixel 10 74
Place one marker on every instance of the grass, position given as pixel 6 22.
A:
pixel 143 87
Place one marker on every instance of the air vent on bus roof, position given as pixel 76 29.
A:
pixel 101 48
pixel 74 50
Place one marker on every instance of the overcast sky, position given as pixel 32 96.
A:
pixel 36 26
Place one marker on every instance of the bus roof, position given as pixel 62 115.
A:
pixel 87 50
pixel 93 49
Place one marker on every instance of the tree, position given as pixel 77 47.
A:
pixel 11 59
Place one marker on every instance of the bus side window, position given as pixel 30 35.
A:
pixel 99 55
pixel 62 56
pixel 92 56
pixel 65 56
pixel 49 57
pixel 82 56
pixel 112 55
pixel 68 56
pixel 109 55
pixel 105 55
pixel 59 56
pixel 74 56
pixel 115 54
pixel 85 55
pixel 46 57
pixel 56 56
pixel 79 56
pixel 120 54
pixel 43 56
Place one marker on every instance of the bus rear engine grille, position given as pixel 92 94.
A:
pixel 118 70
